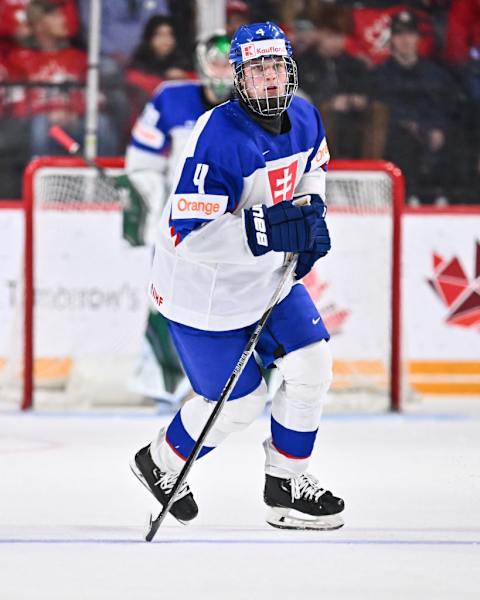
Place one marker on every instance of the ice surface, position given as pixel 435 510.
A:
pixel 72 515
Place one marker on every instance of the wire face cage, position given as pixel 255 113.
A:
pixel 267 84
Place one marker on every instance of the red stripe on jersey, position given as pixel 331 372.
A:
pixel 184 458
pixel 290 455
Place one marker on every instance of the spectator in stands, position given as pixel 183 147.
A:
pixel 336 84
pixel 468 123
pixel 183 16
pixel 269 10
pixel 303 36
pixel 157 52
pixel 13 139
pixel 122 24
pixel 463 31
pixel 419 95
pixel 237 13
pixel 155 59
pixel 370 34
pixel 14 26
pixel 60 71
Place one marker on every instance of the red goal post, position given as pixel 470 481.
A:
pixel 366 196
pixel 395 206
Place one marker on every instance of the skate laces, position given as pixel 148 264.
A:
pixel 166 481
pixel 306 486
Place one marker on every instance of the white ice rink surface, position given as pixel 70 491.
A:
pixel 72 515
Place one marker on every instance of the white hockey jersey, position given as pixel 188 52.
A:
pixel 204 274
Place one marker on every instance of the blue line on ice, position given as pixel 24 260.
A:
pixel 365 542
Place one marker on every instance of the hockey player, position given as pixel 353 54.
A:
pixel 237 208
pixel 157 140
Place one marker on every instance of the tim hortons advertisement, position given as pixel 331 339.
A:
pixel 90 291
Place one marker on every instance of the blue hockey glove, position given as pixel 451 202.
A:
pixel 321 244
pixel 282 227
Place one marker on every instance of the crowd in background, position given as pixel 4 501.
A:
pixel 393 80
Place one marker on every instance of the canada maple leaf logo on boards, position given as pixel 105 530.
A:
pixel 456 291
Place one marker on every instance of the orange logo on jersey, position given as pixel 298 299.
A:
pixel 322 156
pixel 209 208
pixel 282 182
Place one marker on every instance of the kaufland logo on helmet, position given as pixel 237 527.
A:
pixel 263 48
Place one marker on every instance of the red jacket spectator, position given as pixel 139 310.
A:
pixel 59 66
pixel 370 35
pixel 4 76
pixel 49 60
pixel 13 17
pixel 463 30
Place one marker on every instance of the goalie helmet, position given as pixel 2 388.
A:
pixel 212 65
pixel 265 74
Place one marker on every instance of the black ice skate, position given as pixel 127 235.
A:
pixel 300 503
pixel 160 483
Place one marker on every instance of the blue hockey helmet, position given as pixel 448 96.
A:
pixel 265 74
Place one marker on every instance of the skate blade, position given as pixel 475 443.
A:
pixel 286 518
pixel 148 523
pixel 138 474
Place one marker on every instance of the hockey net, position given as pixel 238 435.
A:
pixel 78 343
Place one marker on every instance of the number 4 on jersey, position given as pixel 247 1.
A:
pixel 199 177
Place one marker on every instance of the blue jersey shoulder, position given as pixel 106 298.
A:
pixel 172 105
pixel 306 123
pixel 232 136
pixel 178 103
pixel 228 139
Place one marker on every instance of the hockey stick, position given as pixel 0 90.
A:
pixel 224 396
pixel 73 148
pixel 138 202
